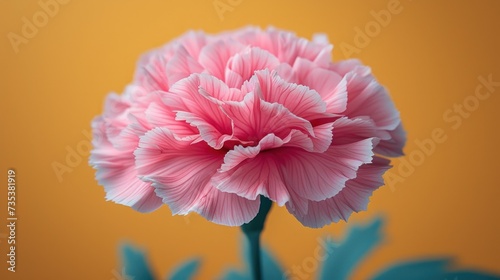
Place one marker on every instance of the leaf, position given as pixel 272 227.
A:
pixel 271 269
pixel 431 269
pixel 470 275
pixel 420 269
pixel 135 265
pixel 186 270
pixel 232 274
pixel 341 259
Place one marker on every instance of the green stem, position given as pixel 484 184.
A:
pixel 255 260
pixel 252 231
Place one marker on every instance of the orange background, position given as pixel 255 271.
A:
pixel 429 55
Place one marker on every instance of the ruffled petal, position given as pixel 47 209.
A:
pixel 181 65
pixel 249 174
pixel 179 170
pixel 115 170
pixel 116 109
pixel 181 173
pixel 151 71
pixel 184 98
pixel 193 42
pixel 227 208
pixel 279 173
pixel 393 147
pixel 243 65
pixel 214 57
pixel 255 118
pixel 286 46
pixel 368 98
pixel 159 115
pixel 217 89
pixel 316 176
pixel 343 67
pixel 347 130
pixel 300 100
pixel 353 198
pixel 330 85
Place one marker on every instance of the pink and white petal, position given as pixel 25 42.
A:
pixel 141 98
pixel 300 100
pixel 116 106
pixel 214 57
pixel 233 79
pixel 323 137
pixel 246 63
pixel 195 108
pixel 194 42
pixel 181 66
pixel 285 71
pixel 298 139
pixel 371 100
pixel 252 177
pixel 256 37
pixel 353 198
pixel 159 115
pixel 320 54
pixel 115 171
pixel 227 208
pixel 393 147
pixel 166 51
pixel 151 72
pixel 136 123
pixel 288 47
pixel 318 143
pixel 208 131
pixel 331 86
pixel 297 205
pixel 116 109
pixel 128 139
pixel 180 171
pixel 320 39
pixel 240 153
pixel 255 118
pixel 347 130
pixel 217 89
pixel 316 176
pixel 343 67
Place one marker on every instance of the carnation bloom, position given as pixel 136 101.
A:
pixel 212 122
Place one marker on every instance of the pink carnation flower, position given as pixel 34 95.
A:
pixel 212 122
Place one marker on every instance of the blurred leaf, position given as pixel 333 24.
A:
pixel 432 269
pixel 271 269
pixel 186 270
pixel 419 269
pixel 135 265
pixel 470 275
pixel 232 274
pixel 341 259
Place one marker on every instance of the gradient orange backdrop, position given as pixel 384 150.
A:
pixel 429 55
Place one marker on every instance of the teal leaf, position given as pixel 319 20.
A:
pixel 432 269
pixel 271 269
pixel 186 270
pixel 470 275
pixel 232 274
pixel 135 264
pixel 341 259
